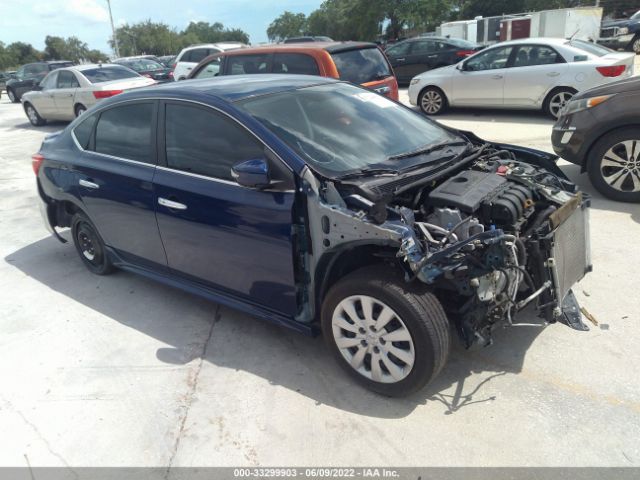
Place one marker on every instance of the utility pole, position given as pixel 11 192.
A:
pixel 113 31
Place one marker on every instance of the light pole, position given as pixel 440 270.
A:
pixel 113 31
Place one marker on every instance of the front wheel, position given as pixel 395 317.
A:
pixel 390 336
pixel 90 246
pixel 12 96
pixel 432 101
pixel 614 165
pixel 34 117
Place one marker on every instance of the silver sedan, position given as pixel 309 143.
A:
pixel 68 92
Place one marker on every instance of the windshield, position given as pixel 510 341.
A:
pixel 341 129
pixel 142 64
pixel 107 74
pixel 362 65
pixel 636 16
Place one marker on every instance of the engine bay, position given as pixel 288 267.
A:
pixel 482 236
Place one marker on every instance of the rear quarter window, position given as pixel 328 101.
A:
pixel 82 132
pixel 362 65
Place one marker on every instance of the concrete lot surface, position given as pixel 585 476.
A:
pixel 119 370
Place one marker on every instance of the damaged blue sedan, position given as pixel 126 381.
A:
pixel 321 206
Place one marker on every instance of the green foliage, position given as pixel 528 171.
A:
pixel 287 25
pixel 16 54
pixel 58 48
pixel 153 38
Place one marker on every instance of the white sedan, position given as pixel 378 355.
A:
pixel 66 93
pixel 532 73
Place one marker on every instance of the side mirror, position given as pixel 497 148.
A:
pixel 37 87
pixel 460 66
pixel 252 173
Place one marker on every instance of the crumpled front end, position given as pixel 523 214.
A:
pixel 490 237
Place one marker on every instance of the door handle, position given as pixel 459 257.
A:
pixel 189 68
pixel 400 59
pixel 88 184
pixel 171 204
pixel 496 77
pixel 553 74
pixel 432 56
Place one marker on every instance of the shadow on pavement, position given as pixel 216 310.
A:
pixel 238 342
pixel 48 128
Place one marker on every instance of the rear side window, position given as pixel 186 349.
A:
pixel 125 132
pixel 206 142
pixel 83 131
pixel 247 64
pixel 67 79
pixel 361 66
pixel 106 74
pixel 195 56
pixel 297 63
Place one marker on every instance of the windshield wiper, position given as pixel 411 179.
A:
pixel 369 171
pixel 427 150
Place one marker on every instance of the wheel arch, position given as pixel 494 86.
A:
pixel 596 138
pixel 547 96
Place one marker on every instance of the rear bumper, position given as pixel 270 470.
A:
pixel 44 212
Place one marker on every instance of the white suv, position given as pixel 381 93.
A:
pixel 189 57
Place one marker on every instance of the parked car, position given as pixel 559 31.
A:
pixel 4 77
pixel 532 73
pixel 67 93
pixel 622 33
pixel 599 130
pixel 416 55
pixel 30 75
pixel 147 68
pixel 190 57
pixel 308 39
pixel 167 60
pixel 357 62
pixel 314 203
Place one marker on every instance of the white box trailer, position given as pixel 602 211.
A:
pixel 464 29
pixel 581 22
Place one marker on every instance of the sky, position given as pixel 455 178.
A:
pixel 32 20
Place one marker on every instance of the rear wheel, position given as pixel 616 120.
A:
pixel 33 115
pixel 614 165
pixel 80 109
pixel 635 45
pixel 390 336
pixel 557 100
pixel 90 246
pixel 432 101
pixel 12 96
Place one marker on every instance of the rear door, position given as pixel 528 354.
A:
pixel 397 55
pixel 235 239
pixel 63 95
pixel 114 179
pixel 536 69
pixel 423 57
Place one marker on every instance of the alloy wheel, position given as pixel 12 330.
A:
pixel 373 339
pixel 620 166
pixel 558 102
pixel 32 114
pixel 431 102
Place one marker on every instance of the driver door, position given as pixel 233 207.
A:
pixel 480 80
pixel 43 99
pixel 235 239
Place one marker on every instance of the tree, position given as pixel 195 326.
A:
pixel 287 25
pixel 58 48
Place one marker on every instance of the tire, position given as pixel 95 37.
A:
pixel 432 101
pixel 613 165
pixel 418 324
pixel 635 45
pixel 556 101
pixel 79 110
pixel 90 246
pixel 12 96
pixel 33 115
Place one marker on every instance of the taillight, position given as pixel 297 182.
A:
pixel 36 162
pixel 613 71
pixel 170 74
pixel 465 53
pixel 106 93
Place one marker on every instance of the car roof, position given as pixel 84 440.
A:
pixel 134 57
pixel 237 87
pixel 331 47
pixel 89 66
pixel 222 45
pixel 544 40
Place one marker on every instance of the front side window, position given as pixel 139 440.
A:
pixel 125 131
pixel 67 79
pixel 211 69
pixel 247 64
pixel 296 63
pixel 107 74
pixel 400 49
pixel 340 128
pixel 203 141
pixel 49 82
pixel 489 60
pixel 362 65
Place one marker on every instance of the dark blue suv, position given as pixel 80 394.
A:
pixel 320 205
